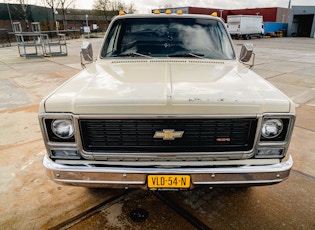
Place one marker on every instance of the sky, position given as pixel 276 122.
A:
pixel 145 6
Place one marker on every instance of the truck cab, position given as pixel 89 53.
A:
pixel 166 104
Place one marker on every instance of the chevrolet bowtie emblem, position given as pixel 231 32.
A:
pixel 168 134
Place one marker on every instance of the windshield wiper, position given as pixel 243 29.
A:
pixel 187 55
pixel 133 54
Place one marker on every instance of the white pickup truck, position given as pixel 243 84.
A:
pixel 166 105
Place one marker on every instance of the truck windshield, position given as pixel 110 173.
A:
pixel 167 37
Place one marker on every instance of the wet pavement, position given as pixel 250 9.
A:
pixel 31 201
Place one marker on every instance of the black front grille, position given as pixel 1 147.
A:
pixel 136 135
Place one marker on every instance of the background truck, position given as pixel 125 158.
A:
pixel 245 26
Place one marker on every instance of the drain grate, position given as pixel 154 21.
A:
pixel 139 215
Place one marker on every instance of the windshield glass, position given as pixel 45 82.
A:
pixel 168 37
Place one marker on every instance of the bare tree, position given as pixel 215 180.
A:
pixel 103 7
pixel 131 9
pixel 168 6
pixel 111 7
pixel 118 6
pixel 53 4
pixel 23 12
pixel 64 6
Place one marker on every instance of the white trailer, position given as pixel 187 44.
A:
pixel 245 26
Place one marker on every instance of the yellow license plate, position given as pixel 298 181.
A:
pixel 168 181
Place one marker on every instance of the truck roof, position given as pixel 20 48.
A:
pixel 173 15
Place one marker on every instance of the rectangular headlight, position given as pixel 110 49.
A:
pixel 270 153
pixel 65 154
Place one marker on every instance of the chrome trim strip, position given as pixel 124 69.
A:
pixel 49 164
pixel 163 116
pixel 100 182
pixel 136 177
pixel 240 182
pixel 162 164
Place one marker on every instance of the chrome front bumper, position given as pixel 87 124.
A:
pixel 88 175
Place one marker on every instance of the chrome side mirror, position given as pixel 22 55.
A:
pixel 86 53
pixel 246 54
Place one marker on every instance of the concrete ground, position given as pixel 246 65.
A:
pixel 28 200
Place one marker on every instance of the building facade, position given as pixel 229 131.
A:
pixel 69 19
pixel 302 21
pixel 272 14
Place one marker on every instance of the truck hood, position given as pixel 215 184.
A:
pixel 162 86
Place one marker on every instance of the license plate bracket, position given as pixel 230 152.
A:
pixel 168 181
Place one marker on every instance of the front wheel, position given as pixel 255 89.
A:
pixel 247 36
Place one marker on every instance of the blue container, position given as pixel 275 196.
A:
pixel 272 27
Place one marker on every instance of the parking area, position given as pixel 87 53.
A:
pixel 31 201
